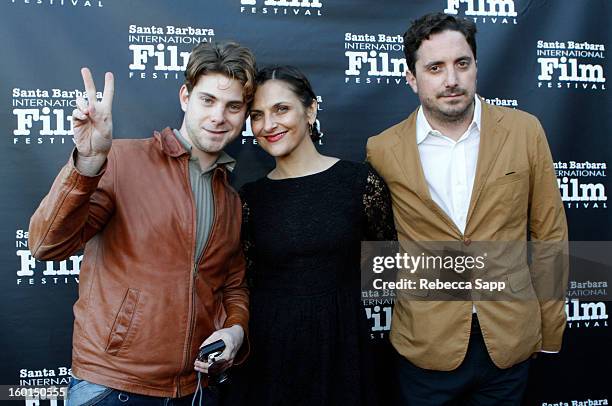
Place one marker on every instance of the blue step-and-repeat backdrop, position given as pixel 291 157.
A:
pixel 549 58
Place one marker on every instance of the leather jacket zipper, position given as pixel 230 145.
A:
pixel 191 282
pixel 196 264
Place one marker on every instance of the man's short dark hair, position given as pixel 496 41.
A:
pixel 433 23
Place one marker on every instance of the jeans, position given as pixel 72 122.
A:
pixel 85 393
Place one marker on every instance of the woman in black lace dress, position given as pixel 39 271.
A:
pixel 302 230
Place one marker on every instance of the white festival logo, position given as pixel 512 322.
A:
pixel 70 266
pixel 573 191
pixel 484 8
pixel 54 122
pixel 142 53
pixel 381 318
pixel 577 311
pixel 570 70
pixel 285 3
pixel 378 62
pixel 162 52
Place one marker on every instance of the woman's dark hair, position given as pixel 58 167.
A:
pixel 433 23
pixel 297 82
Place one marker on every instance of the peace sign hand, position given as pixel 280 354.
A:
pixel 93 125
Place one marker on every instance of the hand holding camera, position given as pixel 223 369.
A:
pixel 210 354
pixel 218 351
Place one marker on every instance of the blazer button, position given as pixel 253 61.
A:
pixel 467 241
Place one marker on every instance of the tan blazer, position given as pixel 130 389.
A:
pixel 515 190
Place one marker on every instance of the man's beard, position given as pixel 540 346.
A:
pixel 450 114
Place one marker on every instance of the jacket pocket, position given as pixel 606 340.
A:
pixel 123 321
pixel 509 178
pixel 519 280
pixel 507 199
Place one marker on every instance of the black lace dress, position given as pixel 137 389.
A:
pixel 308 330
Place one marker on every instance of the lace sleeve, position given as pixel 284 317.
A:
pixel 246 236
pixel 378 212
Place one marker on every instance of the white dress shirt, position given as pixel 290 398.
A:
pixel 450 166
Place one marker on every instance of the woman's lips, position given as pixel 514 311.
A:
pixel 275 137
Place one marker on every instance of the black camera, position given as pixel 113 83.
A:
pixel 208 353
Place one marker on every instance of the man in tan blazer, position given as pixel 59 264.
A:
pixel 460 170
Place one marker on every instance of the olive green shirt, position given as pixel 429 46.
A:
pixel 201 187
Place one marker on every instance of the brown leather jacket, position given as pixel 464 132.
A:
pixel 144 305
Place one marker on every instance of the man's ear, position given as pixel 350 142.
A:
pixel 411 81
pixel 184 97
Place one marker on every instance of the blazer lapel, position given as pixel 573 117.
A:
pixel 492 137
pixel 407 155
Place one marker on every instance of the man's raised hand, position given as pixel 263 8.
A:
pixel 93 125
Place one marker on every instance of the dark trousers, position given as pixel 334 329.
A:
pixel 85 393
pixel 477 381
